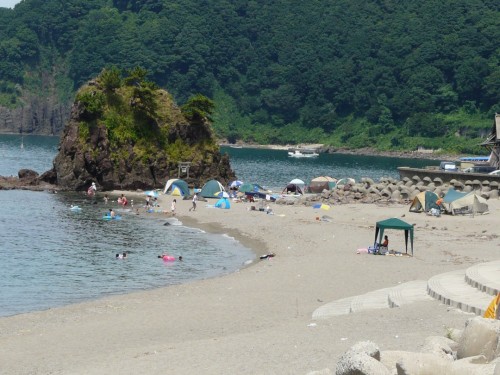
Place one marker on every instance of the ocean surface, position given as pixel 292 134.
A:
pixel 273 169
pixel 52 256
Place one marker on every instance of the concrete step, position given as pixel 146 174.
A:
pixel 407 293
pixel 379 299
pixel 335 308
pixel 451 289
pixel 469 290
pixel 485 277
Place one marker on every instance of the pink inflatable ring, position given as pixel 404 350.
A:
pixel 168 258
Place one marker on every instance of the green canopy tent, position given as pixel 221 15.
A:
pixel 394 223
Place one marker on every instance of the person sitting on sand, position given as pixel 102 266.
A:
pixel 385 243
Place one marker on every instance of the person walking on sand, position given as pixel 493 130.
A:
pixel 172 207
pixel 195 199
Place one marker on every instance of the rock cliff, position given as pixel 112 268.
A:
pixel 39 116
pixel 133 136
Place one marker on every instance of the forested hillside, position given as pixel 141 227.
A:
pixel 371 73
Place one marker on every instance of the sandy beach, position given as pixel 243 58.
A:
pixel 259 320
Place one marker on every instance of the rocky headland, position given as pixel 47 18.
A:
pixel 125 133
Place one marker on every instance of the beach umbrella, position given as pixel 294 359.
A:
pixel 152 193
pixel 297 181
pixel 236 184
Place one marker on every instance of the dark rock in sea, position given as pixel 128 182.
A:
pixel 134 137
pixel 26 180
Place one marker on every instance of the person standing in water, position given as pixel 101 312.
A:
pixel 172 207
pixel 91 190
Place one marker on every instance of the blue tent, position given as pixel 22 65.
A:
pixel 223 203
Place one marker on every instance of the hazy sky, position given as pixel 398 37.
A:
pixel 8 3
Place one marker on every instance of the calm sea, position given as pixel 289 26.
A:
pixel 274 169
pixel 51 256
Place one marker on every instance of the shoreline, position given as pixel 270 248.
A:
pixel 367 151
pixel 231 324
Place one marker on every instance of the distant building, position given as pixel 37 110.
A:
pixel 492 143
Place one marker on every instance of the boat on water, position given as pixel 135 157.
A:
pixel 302 153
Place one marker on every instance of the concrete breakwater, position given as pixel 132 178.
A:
pixel 390 190
pixel 445 176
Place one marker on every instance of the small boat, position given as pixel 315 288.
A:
pixel 302 153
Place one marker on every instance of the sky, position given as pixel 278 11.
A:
pixel 8 3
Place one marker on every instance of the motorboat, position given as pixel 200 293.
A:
pixel 302 153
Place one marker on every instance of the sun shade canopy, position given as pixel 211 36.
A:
pixel 394 223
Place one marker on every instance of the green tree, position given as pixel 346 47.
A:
pixel 110 78
pixel 198 108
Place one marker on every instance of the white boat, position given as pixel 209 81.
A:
pixel 302 153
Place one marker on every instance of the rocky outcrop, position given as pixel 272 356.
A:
pixel 95 148
pixel 27 180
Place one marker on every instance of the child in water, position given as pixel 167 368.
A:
pixel 173 207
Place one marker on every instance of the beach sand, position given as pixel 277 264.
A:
pixel 259 320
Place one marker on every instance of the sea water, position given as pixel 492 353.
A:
pixel 274 169
pixel 51 255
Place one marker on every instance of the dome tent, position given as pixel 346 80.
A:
pixel 223 203
pixel 212 189
pixel 424 201
pixel 177 187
